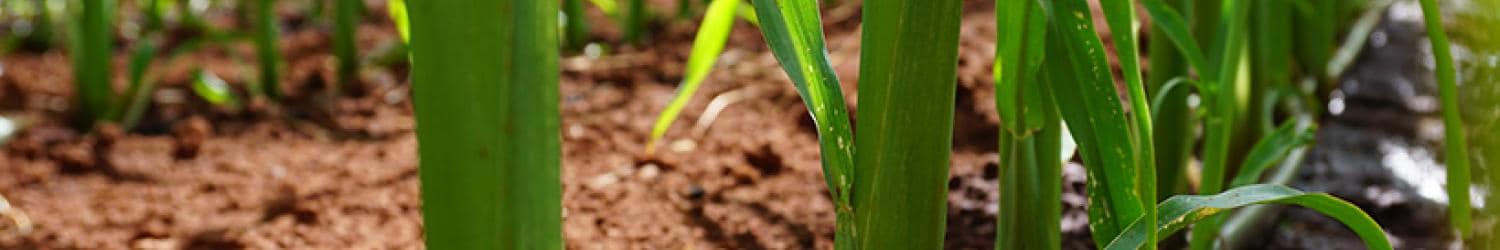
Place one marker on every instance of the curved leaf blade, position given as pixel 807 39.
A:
pixel 713 33
pixel 1271 149
pixel 1180 211
pixel 794 31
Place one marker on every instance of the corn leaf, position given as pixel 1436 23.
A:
pixel 1271 149
pixel 138 95
pixel 1455 141
pixel 794 31
pixel 1172 24
pixel 709 43
pixel 92 47
pixel 907 78
pixel 346 17
pixel 397 10
pixel 575 29
pixel 1221 103
pixel 1179 211
pixel 486 100
pixel 1077 71
pixel 266 48
pixel 213 89
pixel 633 21
pixel 1119 15
pixel 1030 140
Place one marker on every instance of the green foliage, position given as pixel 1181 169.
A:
pixel 266 48
pixel 346 20
pixel 213 89
pixel 486 99
pixel 576 29
pixel 1271 150
pixel 633 21
pixel 1169 109
pixel 712 34
pixel 1179 211
pixel 907 79
pixel 1454 141
pixel 91 48
pixel 794 31
pixel 1031 135
pixel 1077 71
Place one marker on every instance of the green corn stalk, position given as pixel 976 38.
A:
pixel 1455 141
pixel 907 79
pixel 266 48
pixel 576 30
pixel 633 21
pixel 344 32
pixel 794 31
pixel 92 47
pixel 1221 101
pixel 1030 138
pixel 1179 211
pixel 1076 70
pixel 1173 151
pixel 713 33
pixel 1120 16
pixel 486 99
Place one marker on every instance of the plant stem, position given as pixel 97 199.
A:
pixel 485 91
pixel 344 47
pixel 266 48
pixel 909 57
pixel 1455 141
pixel 93 45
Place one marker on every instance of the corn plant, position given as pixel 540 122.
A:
pixel 346 18
pixel 91 47
pixel 267 50
pixel 487 122
pixel 1031 135
pixel 707 45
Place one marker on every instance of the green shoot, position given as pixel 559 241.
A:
pixel 138 96
pixel 486 99
pixel 214 90
pixel 1030 139
pixel 1120 16
pixel 1179 211
pixel 575 29
pixel 1077 70
pixel 1221 101
pixel 794 31
pixel 1271 150
pixel 92 47
pixel 397 10
pixel 633 22
pixel 1455 142
pixel 907 78
pixel 266 48
pixel 712 34
pixel 1170 109
pixel 346 20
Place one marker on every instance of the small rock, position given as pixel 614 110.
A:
pixel 189 135
pixel 648 172
pixel 695 192
pixel 603 181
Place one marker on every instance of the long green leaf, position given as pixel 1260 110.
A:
pixel 92 47
pixel 138 95
pixel 1120 16
pixel 1177 212
pixel 486 99
pixel 1172 24
pixel 794 31
pixel 1222 101
pixel 266 48
pixel 1271 149
pixel 1173 150
pixel 1077 71
pixel 346 18
pixel 1030 140
pixel 712 34
pixel 1455 141
pixel 633 21
pixel 576 29
pixel 907 78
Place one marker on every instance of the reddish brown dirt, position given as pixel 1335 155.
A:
pixel 313 173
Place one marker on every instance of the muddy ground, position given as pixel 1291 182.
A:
pixel 315 171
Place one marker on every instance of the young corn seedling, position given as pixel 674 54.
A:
pixel 1031 135
pixel 91 48
pixel 267 50
pixel 907 73
pixel 709 43
pixel 485 84
pixel 346 20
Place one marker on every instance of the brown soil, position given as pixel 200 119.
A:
pixel 320 172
